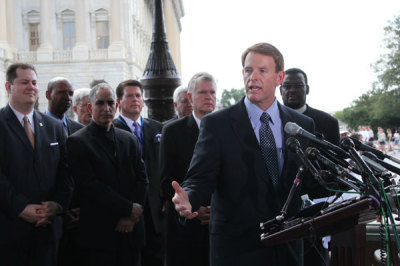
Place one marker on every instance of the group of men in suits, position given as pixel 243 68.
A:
pixel 203 185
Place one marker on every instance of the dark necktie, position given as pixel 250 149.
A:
pixel 138 134
pixel 268 148
pixel 29 132
pixel 65 128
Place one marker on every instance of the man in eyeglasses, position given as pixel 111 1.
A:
pixel 294 91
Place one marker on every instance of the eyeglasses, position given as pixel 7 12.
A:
pixel 296 86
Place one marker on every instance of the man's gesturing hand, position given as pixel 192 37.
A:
pixel 181 202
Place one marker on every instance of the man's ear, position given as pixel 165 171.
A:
pixel 307 89
pixel 8 86
pixel 189 96
pixel 89 106
pixel 48 94
pixel 75 109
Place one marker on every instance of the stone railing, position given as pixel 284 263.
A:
pixel 62 55
pixel 98 54
pixel 57 55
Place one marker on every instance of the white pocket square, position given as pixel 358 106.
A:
pixel 54 144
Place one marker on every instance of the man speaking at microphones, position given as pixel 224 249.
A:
pixel 241 160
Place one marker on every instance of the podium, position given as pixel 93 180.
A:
pixel 345 222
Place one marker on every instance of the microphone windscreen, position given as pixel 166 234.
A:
pixel 291 128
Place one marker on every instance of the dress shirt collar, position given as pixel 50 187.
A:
pixel 20 118
pixel 130 121
pixel 198 121
pixel 63 119
pixel 301 109
pixel 255 112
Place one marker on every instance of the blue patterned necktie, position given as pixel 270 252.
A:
pixel 268 148
pixel 138 134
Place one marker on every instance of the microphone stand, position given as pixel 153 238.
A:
pixel 275 224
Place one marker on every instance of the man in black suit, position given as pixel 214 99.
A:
pixel 59 96
pixel 181 104
pixel 294 91
pixel 188 244
pixel 111 183
pixel 34 181
pixel 148 132
pixel 230 162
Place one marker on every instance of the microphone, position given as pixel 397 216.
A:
pixel 294 146
pixel 380 154
pixel 384 164
pixel 339 170
pixel 295 130
pixel 367 175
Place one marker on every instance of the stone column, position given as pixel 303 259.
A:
pixel 116 48
pixel 3 23
pixel 45 50
pixel 81 49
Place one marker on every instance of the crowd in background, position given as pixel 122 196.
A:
pixel 385 140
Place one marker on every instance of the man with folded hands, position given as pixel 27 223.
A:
pixel 111 182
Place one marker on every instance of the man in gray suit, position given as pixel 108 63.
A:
pixel 34 183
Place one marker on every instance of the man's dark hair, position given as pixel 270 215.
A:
pixel 266 49
pixel 96 81
pixel 297 71
pixel 130 82
pixel 11 73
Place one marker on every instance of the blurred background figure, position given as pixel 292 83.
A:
pixel 381 139
pixel 79 106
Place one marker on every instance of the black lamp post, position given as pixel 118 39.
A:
pixel 160 77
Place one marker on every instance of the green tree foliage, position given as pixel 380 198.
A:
pixel 381 105
pixel 230 97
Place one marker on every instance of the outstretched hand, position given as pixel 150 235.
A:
pixel 181 202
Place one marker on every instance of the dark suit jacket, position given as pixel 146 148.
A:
pixel 30 176
pixel 73 126
pixel 170 120
pixel 188 242
pixel 107 184
pixel 177 145
pixel 325 124
pixel 227 162
pixel 151 135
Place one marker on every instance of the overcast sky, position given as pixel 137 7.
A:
pixel 334 42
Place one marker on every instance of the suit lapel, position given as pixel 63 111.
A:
pixel 147 137
pixel 16 126
pixel 40 133
pixel 244 130
pixel 192 129
pixel 285 117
